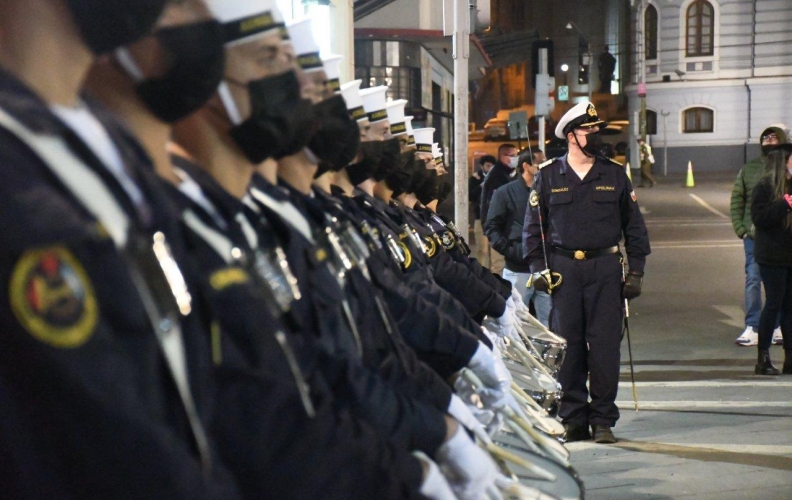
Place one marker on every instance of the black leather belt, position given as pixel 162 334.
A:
pixel 584 254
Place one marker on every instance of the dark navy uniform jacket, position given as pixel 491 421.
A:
pixel 589 214
pixel 88 408
pixel 409 421
pixel 478 297
pixel 276 425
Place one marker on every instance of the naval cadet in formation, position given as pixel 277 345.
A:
pixel 186 313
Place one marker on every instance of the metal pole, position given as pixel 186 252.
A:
pixel 665 144
pixel 542 70
pixel 461 53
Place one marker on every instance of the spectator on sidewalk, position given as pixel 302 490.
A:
pixel 503 172
pixel 747 178
pixel 504 226
pixel 771 214
pixel 647 160
pixel 474 197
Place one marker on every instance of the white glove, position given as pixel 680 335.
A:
pixel 507 319
pixel 491 420
pixel 463 414
pixel 469 469
pixel 515 295
pixel 489 368
pixel 434 485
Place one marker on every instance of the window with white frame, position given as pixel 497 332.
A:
pixel 650 33
pixel 700 29
pixel 698 120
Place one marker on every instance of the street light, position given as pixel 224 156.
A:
pixel 585 59
pixel 564 69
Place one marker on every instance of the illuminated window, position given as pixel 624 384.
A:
pixel 698 120
pixel 700 29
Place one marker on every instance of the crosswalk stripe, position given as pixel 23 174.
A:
pixel 659 405
pixel 711 383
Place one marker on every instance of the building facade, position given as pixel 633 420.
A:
pixel 717 73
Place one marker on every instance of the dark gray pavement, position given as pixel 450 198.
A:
pixel 707 427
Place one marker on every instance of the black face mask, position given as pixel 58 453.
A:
pixel 428 190
pixel 593 145
pixel 337 139
pixel 281 122
pixel 399 179
pixel 391 157
pixel 197 60
pixel 106 25
pixel 767 148
pixel 365 168
pixel 445 188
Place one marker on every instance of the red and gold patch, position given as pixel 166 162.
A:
pixel 633 196
pixel 53 298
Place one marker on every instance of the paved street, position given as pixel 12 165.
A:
pixel 707 427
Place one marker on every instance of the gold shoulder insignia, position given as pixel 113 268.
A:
pixel 53 298
pixel 229 276
pixel 548 162
pixel 616 162
pixel 430 246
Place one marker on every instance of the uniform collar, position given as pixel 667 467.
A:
pixel 572 176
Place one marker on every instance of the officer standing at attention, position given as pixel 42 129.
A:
pixel 583 204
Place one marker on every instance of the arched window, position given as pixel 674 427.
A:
pixel 700 29
pixel 651 122
pixel 650 32
pixel 698 120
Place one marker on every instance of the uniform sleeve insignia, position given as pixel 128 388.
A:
pixel 227 277
pixel 546 163
pixel 430 246
pixel 448 241
pixel 633 196
pixel 53 298
pixel 407 255
pixel 533 200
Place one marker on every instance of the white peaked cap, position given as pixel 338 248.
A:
pixel 302 39
pixel 244 20
pixel 374 103
pixel 584 114
pixel 424 138
pixel 408 124
pixel 332 68
pixel 395 111
pixel 350 91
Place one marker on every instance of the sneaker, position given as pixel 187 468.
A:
pixel 748 338
pixel 778 338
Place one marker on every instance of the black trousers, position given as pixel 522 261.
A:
pixel 778 303
pixel 588 313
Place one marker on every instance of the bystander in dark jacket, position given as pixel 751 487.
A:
pixel 502 173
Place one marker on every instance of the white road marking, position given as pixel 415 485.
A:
pixel 666 247
pixel 708 206
pixel 734 314
pixel 712 383
pixel 676 405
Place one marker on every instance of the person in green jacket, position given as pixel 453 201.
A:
pixel 747 178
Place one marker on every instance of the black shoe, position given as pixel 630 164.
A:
pixel 763 364
pixel 603 434
pixel 575 432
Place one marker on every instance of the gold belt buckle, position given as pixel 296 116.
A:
pixel 580 255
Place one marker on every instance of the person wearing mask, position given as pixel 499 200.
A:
pixel 771 214
pixel 746 180
pixel 580 208
pixel 503 172
pixel 647 160
pixel 101 379
pixel 474 197
pixel 504 229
